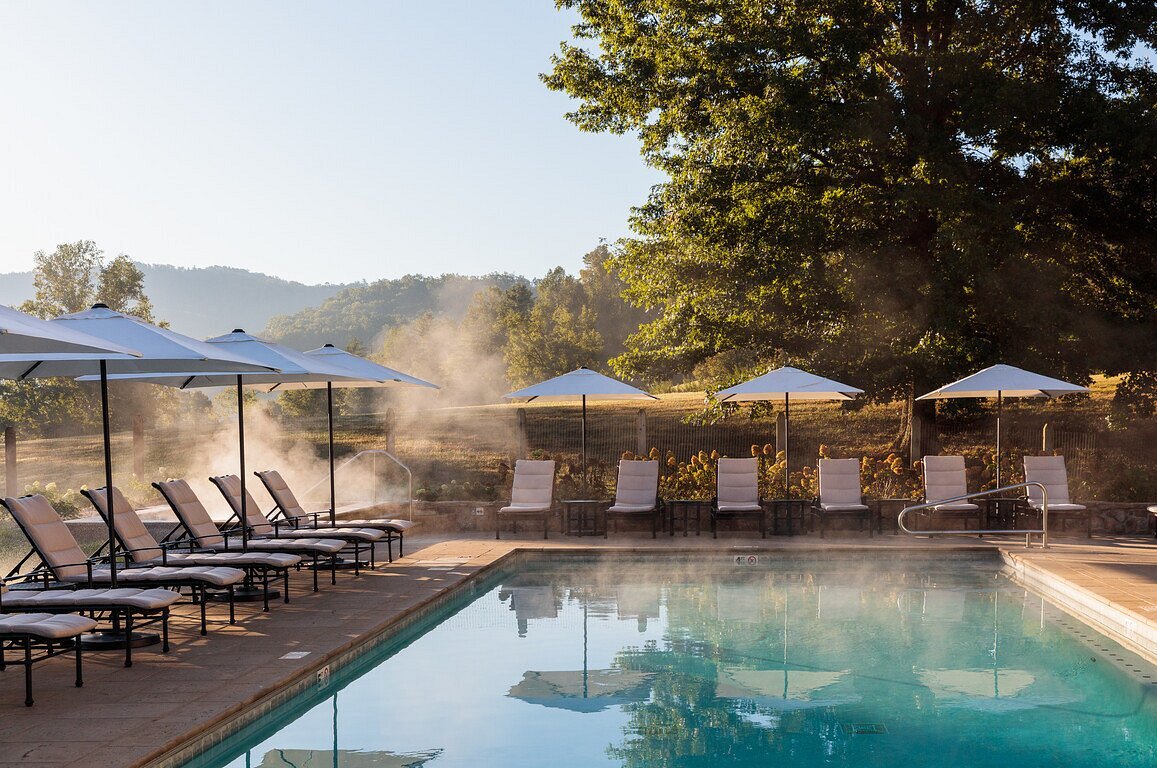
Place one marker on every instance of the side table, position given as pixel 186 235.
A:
pixel 890 508
pixel 790 509
pixel 580 517
pixel 685 509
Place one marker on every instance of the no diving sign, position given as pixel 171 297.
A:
pixel 745 560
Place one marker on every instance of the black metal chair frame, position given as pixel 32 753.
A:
pixel 314 517
pixel 28 644
pixel 356 541
pixel 314 555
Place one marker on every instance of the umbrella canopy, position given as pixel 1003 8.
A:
pixel 27 342
pixel 580 383
pixel 359 372
pixel 787 383
pixel 582 690
pixel 283 365
pixel 783 689
pixel 160 350
pixel 1002 381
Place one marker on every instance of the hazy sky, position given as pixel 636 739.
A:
pixel 322 141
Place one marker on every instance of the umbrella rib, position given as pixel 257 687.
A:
pixel 27 373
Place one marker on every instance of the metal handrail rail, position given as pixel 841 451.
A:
pixel 1043 530
pixel 375 453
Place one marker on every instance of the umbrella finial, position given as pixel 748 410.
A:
pixel 327 345
pixel 238 330
pixel 100 305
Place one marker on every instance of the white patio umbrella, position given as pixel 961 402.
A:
pixel 790 384
pixel 160 350
pixel 580 383
pixel 27 341
pixel 360 372
pixel 283 366
pixel 1002 381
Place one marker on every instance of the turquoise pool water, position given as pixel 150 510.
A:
pixel 712 664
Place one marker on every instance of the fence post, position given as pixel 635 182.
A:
pixel 10 461
pixel 641 433
pixel 1047 438
pixel 138 446
pixel 389 427
pixel 521 414
pixel 780 432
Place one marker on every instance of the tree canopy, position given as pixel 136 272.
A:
pixel 894 192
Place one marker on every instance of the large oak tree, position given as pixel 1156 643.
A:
pixel 893 192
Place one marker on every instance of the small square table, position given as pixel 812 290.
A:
pixel 580 517
pixel 686 509
pixel 790 509
pixel 890 508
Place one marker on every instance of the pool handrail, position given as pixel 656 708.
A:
pixel 375 453
pixel 1028 532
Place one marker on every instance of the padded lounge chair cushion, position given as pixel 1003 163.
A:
pixel 196 519
pixel 533 486
pixel 840 485
pixel 48 626
pixel 284 497
pixel 144 599
pixel 944 478
pixel 1049 470
pixel 49 536
pixel 230 487
pixel 637 489
pixel 737 485
pixel 144 549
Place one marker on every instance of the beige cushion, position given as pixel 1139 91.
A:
pixel 533 486
pixel 49 536
pixel 192 513
pixel 133 534
pixel 737 485
pixel 944 478
pixel 52 627
pixel 1050 471
pixel 839 483
pixel 637 489
pixel 91 599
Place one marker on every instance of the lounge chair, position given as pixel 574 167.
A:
pixel 202 530
pixel 128 608
pixel 531 495
pixel 41 636
pixel 65 561
pixel 636 494
pixel 840 495
pixel 1050 471
pixel 143 549
pixel 259 525
pixel 737 493
pixel 286 501
pixel 945 478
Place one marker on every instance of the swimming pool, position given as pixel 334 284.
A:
pixel 713 663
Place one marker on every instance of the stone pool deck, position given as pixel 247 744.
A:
pixel 143 715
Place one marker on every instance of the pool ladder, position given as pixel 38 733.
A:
pixel 374 454
pixel 1028 532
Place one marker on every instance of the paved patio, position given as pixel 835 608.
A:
pixel 135 717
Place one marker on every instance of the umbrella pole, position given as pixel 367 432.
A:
pixel 999 403
pixel 241 453
pixel 584 438
pixel 108 473
pixel 786 448
pixel 332 483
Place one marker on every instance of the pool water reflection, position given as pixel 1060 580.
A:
pixel 709 664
